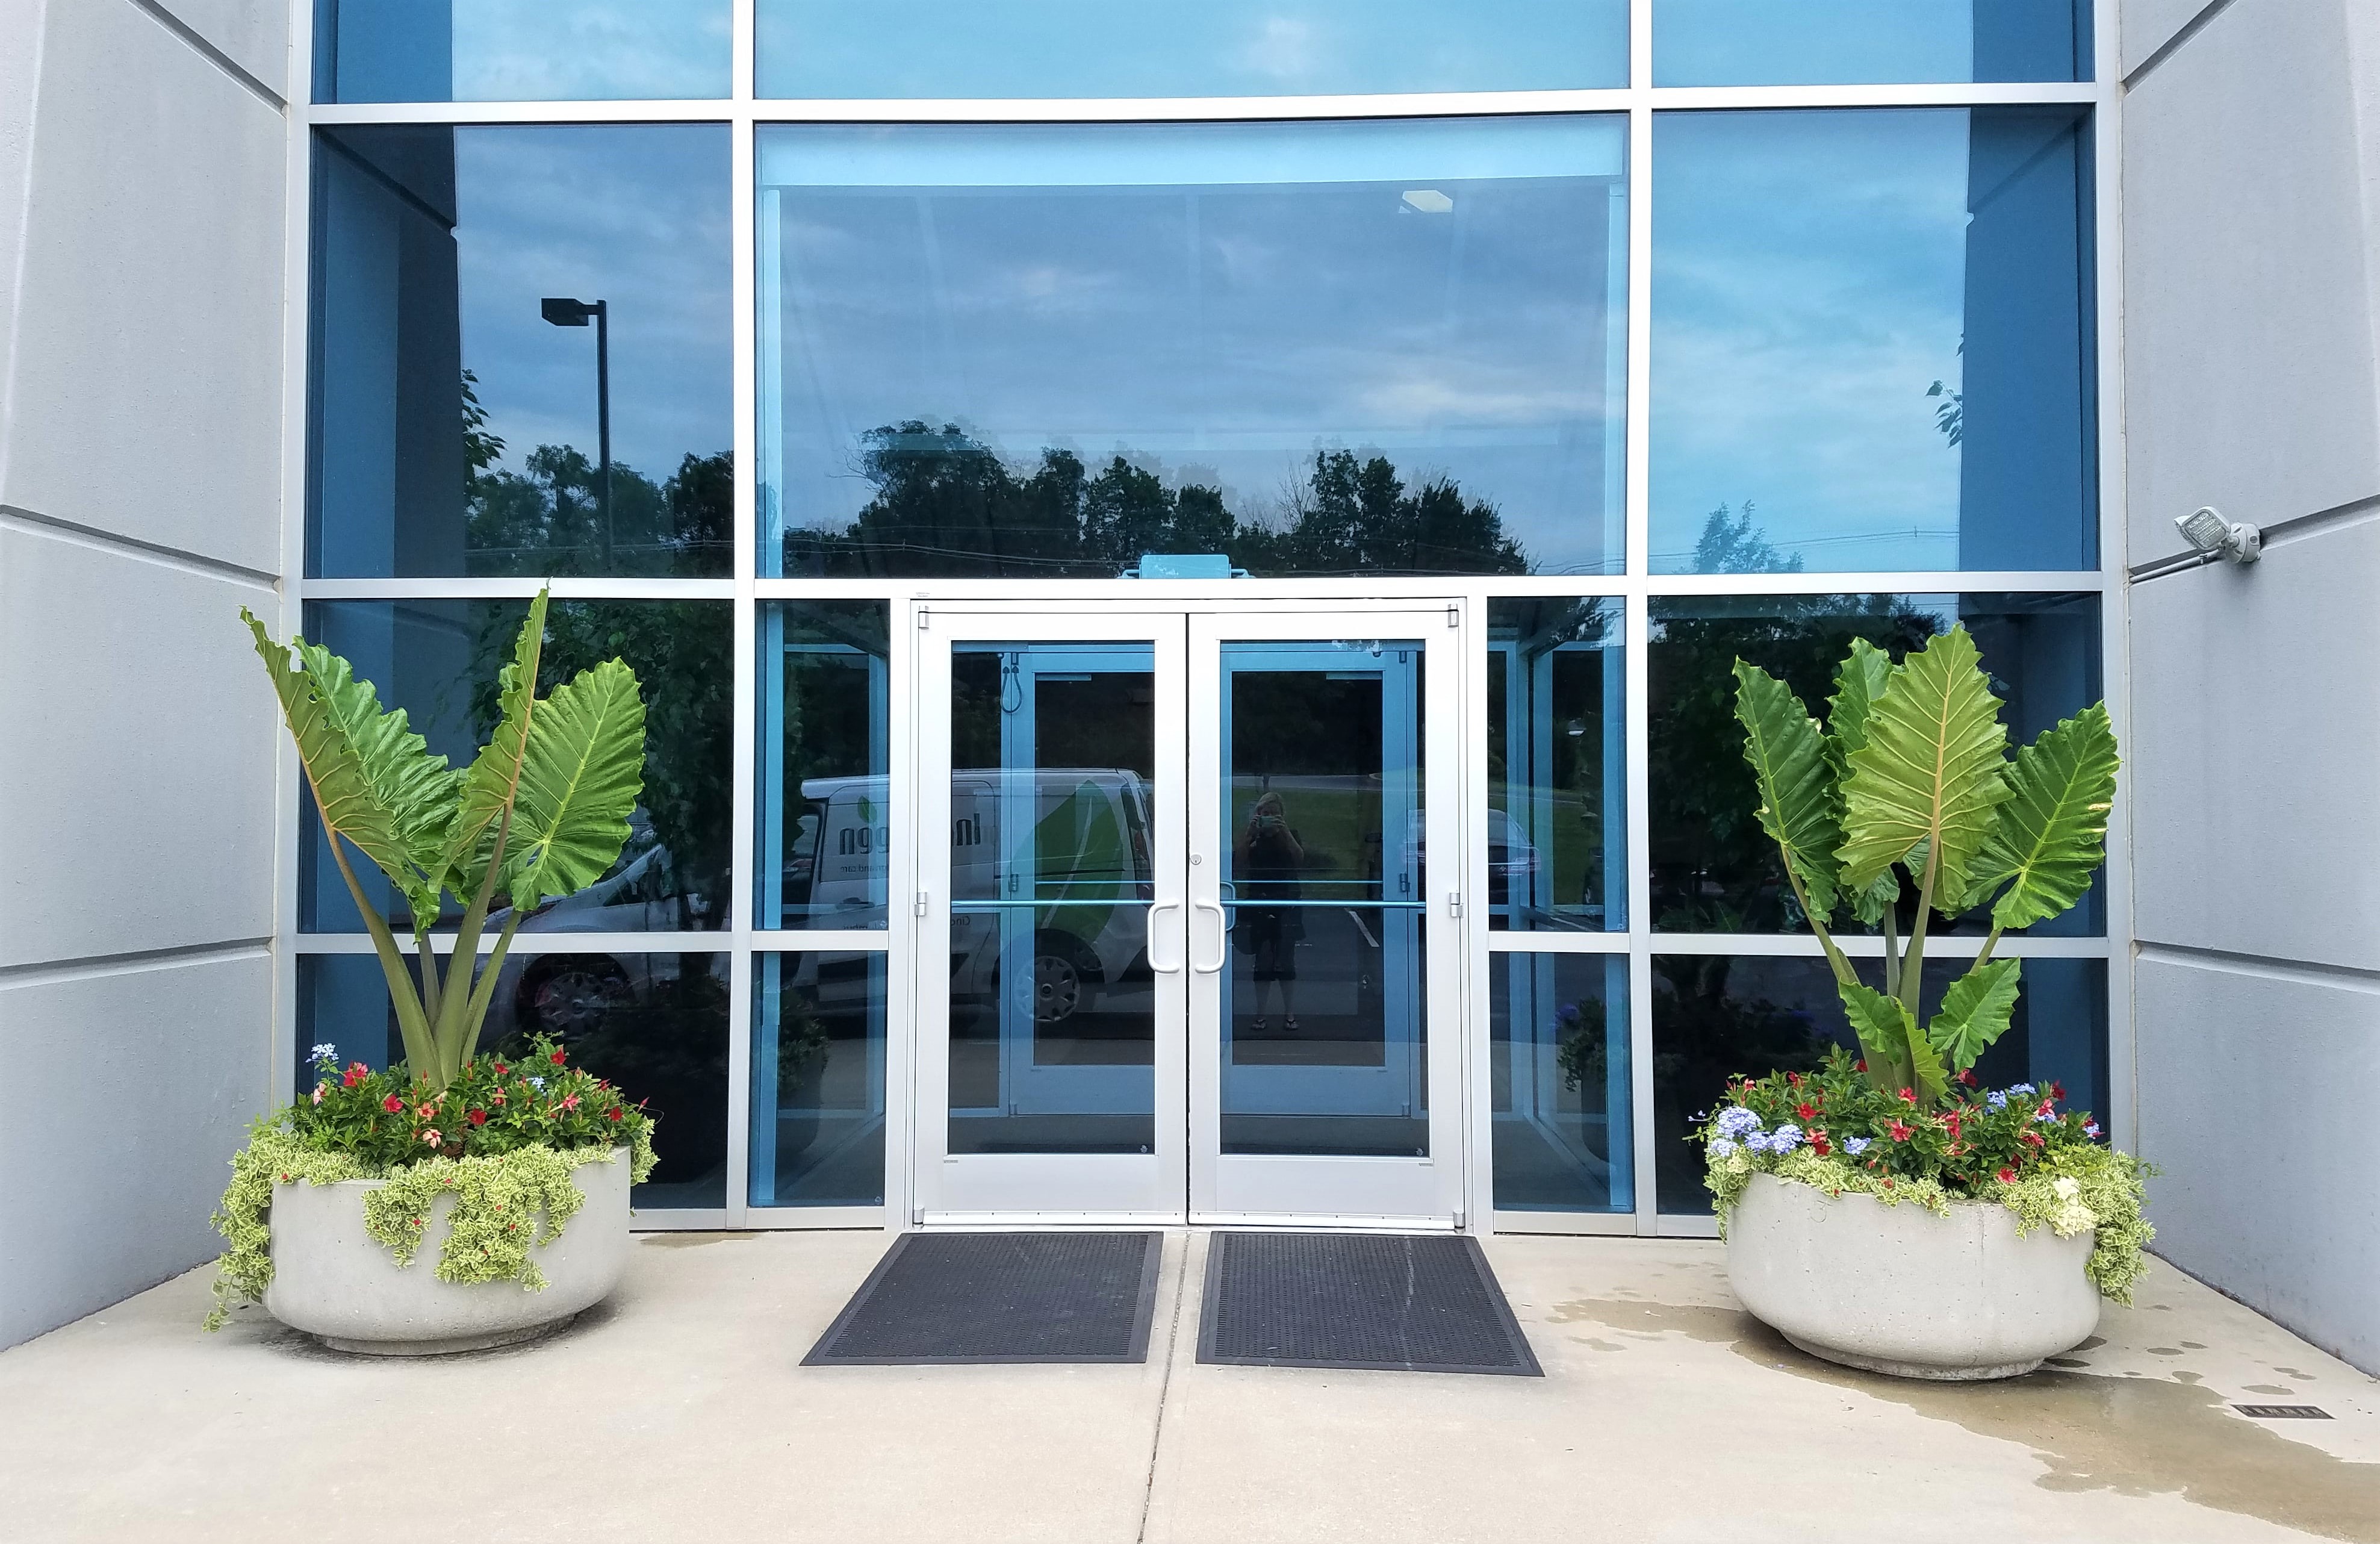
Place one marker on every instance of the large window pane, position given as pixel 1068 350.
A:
pixel 1155 48
pixel 1715 1015
pixel 1556 849
pixel 1812 43
pixel 518 50
pixel 438 661
pixel 1714 869
pixel 1558 1065
pixel 1871 342
pixel 654 1025
pixel 495 310
pixel 1324 347
pixel 817 1080
pixel 825 708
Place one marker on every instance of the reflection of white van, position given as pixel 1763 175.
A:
pixel 1066 898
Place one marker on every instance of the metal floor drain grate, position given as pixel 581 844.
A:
pixel 1424 1303
pixel 2284 1412
pixel 961 1298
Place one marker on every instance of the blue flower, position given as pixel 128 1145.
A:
pixel 326 1054
pixel 536 1082
pixel 1856 1145
pixel 1721 1147
pixel 2019 1089
pixel 2043 1116
pixel 1737 1122
pixel 1996 1100
pixel 1785 1139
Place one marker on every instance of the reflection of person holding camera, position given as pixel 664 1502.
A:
pixel 1269 859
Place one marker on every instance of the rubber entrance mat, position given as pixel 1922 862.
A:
pixel 968 1297
pixel 1426 1303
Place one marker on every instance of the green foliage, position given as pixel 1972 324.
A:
pixel 1916 776
pixel 542 812
pixel 1835 1130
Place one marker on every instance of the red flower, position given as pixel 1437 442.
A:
pixel 427 1112
pixel 392 1104
pixel 2058 1090
pixel 1908 1096
pixel 478 1117
pixel 555 1058
pixel 502 1069
pixel 1900 1132
pixel 1819 1145
pixel 355 1075
pixel 2007 1176
pixel 1860 1066
pixel 615 1115
pixel 1967 1077
pixel 496 1098
pixel 1805 1112
pixel 2032 1138
pixel 571 1102
pixel 1794 1079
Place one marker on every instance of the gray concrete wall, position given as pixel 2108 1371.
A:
pixel 2252 309
pixel 144 148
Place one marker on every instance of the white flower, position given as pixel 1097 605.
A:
pixel 325 1053
pixel 318 1093
pixel 2067 1187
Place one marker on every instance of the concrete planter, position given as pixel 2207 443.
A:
pixel 1898 1290
pixel 336 1283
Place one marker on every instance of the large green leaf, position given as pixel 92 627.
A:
pixel 1859 681
pixel 374 780
pixel 1884 1028
pixel 1932 768
pixel 2052 833
pixel 1788 756
pixel 494 775
pixel 581 773
pixel 1974 1011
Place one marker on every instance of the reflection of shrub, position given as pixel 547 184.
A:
pixel 802 1047
pixel 1579 1050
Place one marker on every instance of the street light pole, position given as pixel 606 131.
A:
pixel 563 311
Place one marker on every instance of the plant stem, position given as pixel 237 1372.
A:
pixel 1991 942
pixel 484 990
pixel 411 1022
pixel 1842 967
pixel 1913 962
pixel 1891 947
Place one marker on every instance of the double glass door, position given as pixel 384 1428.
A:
pixel 1186 959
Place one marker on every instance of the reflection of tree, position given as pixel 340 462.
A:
pixel 1733 545
pixel 947 505
pixel 1707 1034
pixel 1713 868
pixel 547 517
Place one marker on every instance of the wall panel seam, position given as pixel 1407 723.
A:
pixel 214 55
pixel 32 522
pixel 131 962
pixel 2349 978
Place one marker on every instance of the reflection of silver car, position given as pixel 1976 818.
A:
pixel 567 995
pixel 1511 856
pixel 1082 926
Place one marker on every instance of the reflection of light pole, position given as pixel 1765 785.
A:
pixel 574 314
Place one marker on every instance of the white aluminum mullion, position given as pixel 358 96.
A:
pixel 1957 946
pixel 564 588
pixel 2121 1095
pixel 699 110
pixel 1635 711
pixel 297 291
pixel 1920 582
pixel 1505 942
pixel 742 892
pixel 528 944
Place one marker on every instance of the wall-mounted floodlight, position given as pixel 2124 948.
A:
pixel 2206 529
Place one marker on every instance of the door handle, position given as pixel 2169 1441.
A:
pixel 1222 938
pixel 1153 910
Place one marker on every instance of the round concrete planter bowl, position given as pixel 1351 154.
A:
pixel 1898 1290
pixel 336 1283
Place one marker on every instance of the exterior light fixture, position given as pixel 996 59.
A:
pixel 1428 200
pixel 2206 529
pixel 563 311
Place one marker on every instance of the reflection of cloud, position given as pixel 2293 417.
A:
pixel 553 50
pixel 1283 50
pixel 1428 394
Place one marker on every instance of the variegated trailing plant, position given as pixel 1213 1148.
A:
pixel 539 814
pixel 1911 773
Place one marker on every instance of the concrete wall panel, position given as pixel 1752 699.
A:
pixel 2251 1087
pixel 2255 753
pixel 122 1098
pixel 253 34
pixel 2249 373
pixel 139 764
pixel 2148 25
pixel 144 387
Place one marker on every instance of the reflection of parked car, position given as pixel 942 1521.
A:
pixel 567 995
pixel 1510 855
pixel 1086 895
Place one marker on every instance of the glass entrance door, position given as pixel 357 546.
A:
pixel 1182 960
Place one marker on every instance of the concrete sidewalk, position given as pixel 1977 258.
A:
pixel 677 1411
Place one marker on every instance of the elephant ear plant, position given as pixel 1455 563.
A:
pixel 1909 785
pixel 540 813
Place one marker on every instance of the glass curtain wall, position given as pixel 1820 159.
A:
pixel 1789 338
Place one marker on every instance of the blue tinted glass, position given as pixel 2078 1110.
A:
pixel 1871 342
pixel 654 1025
pixel 1151 48
pixel 518 50
pixel 1716 1016
pixel 1323 348
pixel 1714 869
pixel 494 310
pixel 825 716
pixel 1557 848
pixel 1558 1065
pixel 817 1080
pixel 438 661
pixel 1796 42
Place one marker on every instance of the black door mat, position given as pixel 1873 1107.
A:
pixel 1422 1303
pixel 961 1298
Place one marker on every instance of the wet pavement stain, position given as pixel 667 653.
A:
pixel 689 1240
pixel 2134 1436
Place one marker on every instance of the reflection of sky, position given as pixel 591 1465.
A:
pixel 636 216
pixel 1784 43
pixel 1060 48
pixel 530 50
pixel 1225 300
pixel 1809 278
